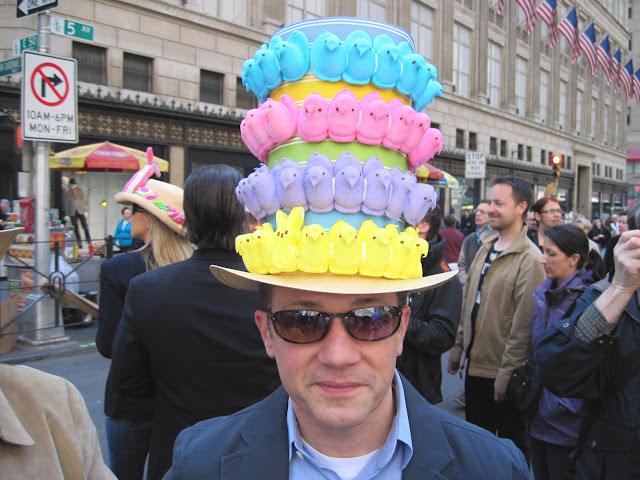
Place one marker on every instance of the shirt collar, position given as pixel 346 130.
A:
pixel 400 429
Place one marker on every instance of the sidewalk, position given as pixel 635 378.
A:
pixel 81 340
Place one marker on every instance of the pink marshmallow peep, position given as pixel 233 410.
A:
pixel 281 118
pixel 420 125
pixel 344 113
pixel 313 118
pixel 429 146
pixel 255 130
pixel 374 119
pixel 402 117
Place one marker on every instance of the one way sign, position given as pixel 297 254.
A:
pixel 29 7
pixel 49 100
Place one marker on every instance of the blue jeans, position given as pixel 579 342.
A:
pixel 128 442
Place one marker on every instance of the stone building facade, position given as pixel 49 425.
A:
pixel 166 73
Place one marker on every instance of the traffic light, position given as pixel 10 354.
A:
pixel 556 163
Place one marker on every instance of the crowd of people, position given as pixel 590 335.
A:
pixel 544 293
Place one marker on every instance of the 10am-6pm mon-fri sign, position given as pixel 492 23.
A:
pixel 49 99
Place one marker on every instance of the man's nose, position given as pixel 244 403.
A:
pixel 338 349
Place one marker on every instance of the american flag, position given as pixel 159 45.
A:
pixel 528 7
pixel 569 28
pixel 603 53
pixel 588 46
pixel 625 78
pixel 547 12
pixel 615 70
pixel 636 86
pixel 500 7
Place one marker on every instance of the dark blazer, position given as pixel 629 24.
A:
pixel 115 275
pixel 197 341
pixel 254 444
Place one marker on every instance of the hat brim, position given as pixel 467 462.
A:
pixel 328 282
pixel 127 198
pixel 7 237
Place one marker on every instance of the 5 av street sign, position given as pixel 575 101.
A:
pixel 49 100
pixel 69 28
pixel 29 7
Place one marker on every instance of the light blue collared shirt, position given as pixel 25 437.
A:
pixel 388 461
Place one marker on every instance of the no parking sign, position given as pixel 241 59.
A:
pixel 49 99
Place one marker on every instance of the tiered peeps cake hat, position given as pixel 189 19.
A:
pixel 339 129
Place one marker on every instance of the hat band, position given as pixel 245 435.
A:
pixel 171 212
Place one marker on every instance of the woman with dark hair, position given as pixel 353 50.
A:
pixel 547 213
pixel 570 267
pixel 601 235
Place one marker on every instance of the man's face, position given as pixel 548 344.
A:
pixel 4 207
pixel 482 215
pixel 338 382
pixel 504 212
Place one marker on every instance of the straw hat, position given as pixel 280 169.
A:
pixel 160 199
pixel 333 222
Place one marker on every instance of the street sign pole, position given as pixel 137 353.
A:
pixel 45 324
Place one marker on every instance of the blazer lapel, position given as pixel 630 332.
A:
pixel 265 453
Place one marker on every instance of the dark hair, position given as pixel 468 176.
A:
pixel 450 221
pixel 434 219
pixel 633 217
pixel 212 213
pixel 520 190
pixel 127 207
pixel 570 240
pixel 542 203
pixel 483 200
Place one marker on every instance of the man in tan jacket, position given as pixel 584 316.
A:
pixel 495 325
pixel 45 429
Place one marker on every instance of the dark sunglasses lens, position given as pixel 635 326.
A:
pixel 137 209
pixel 300 326
pixel 375 323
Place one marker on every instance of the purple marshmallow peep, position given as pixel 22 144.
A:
pixel 290 186
pixel 421 199
pixel 348 184
pixel 313 118
pixel 263 184
pixel 378 191
pixel 318 187
pixel 401 185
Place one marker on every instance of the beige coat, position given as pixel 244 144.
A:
pixel 503 326
pixel 45 429
pixel 77 201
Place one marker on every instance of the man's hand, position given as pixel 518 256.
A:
pixel 498 396
pixel 453 368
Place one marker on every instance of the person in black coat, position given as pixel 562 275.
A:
pixel 434 318
pixel 192 337
pixel 128 419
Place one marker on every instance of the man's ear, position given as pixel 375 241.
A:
pixel 263 325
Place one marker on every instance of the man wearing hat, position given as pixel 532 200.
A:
pixel 77 208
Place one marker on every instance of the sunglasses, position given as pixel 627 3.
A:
pixel 365 324
pixel 137 209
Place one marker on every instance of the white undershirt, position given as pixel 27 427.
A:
pixel 346 468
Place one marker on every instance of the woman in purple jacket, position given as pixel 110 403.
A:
pixel 570 268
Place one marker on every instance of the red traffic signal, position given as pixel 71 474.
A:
pixel 556 160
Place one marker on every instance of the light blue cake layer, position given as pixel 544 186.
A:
pixel 328 220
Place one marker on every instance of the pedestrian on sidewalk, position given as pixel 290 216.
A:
pixel 128 419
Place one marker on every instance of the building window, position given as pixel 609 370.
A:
pixel 503 148
pixel 520 151
pixel 494 71
pixel 461 59
pixel 92 63
pixel 562 106
pixel 373 9
pixel 244 99
pixel 422 29
pixel 233 12
pixel 493 146
pixel 137 72
pixel 544 95
pixel 521 86
pixel 211 87
pixel 529 154
pixel 543 157
pixel 567 162
pixel 473 141
pixel 459 138
pixel 592 127
pixel 578 111
pixel 298 10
